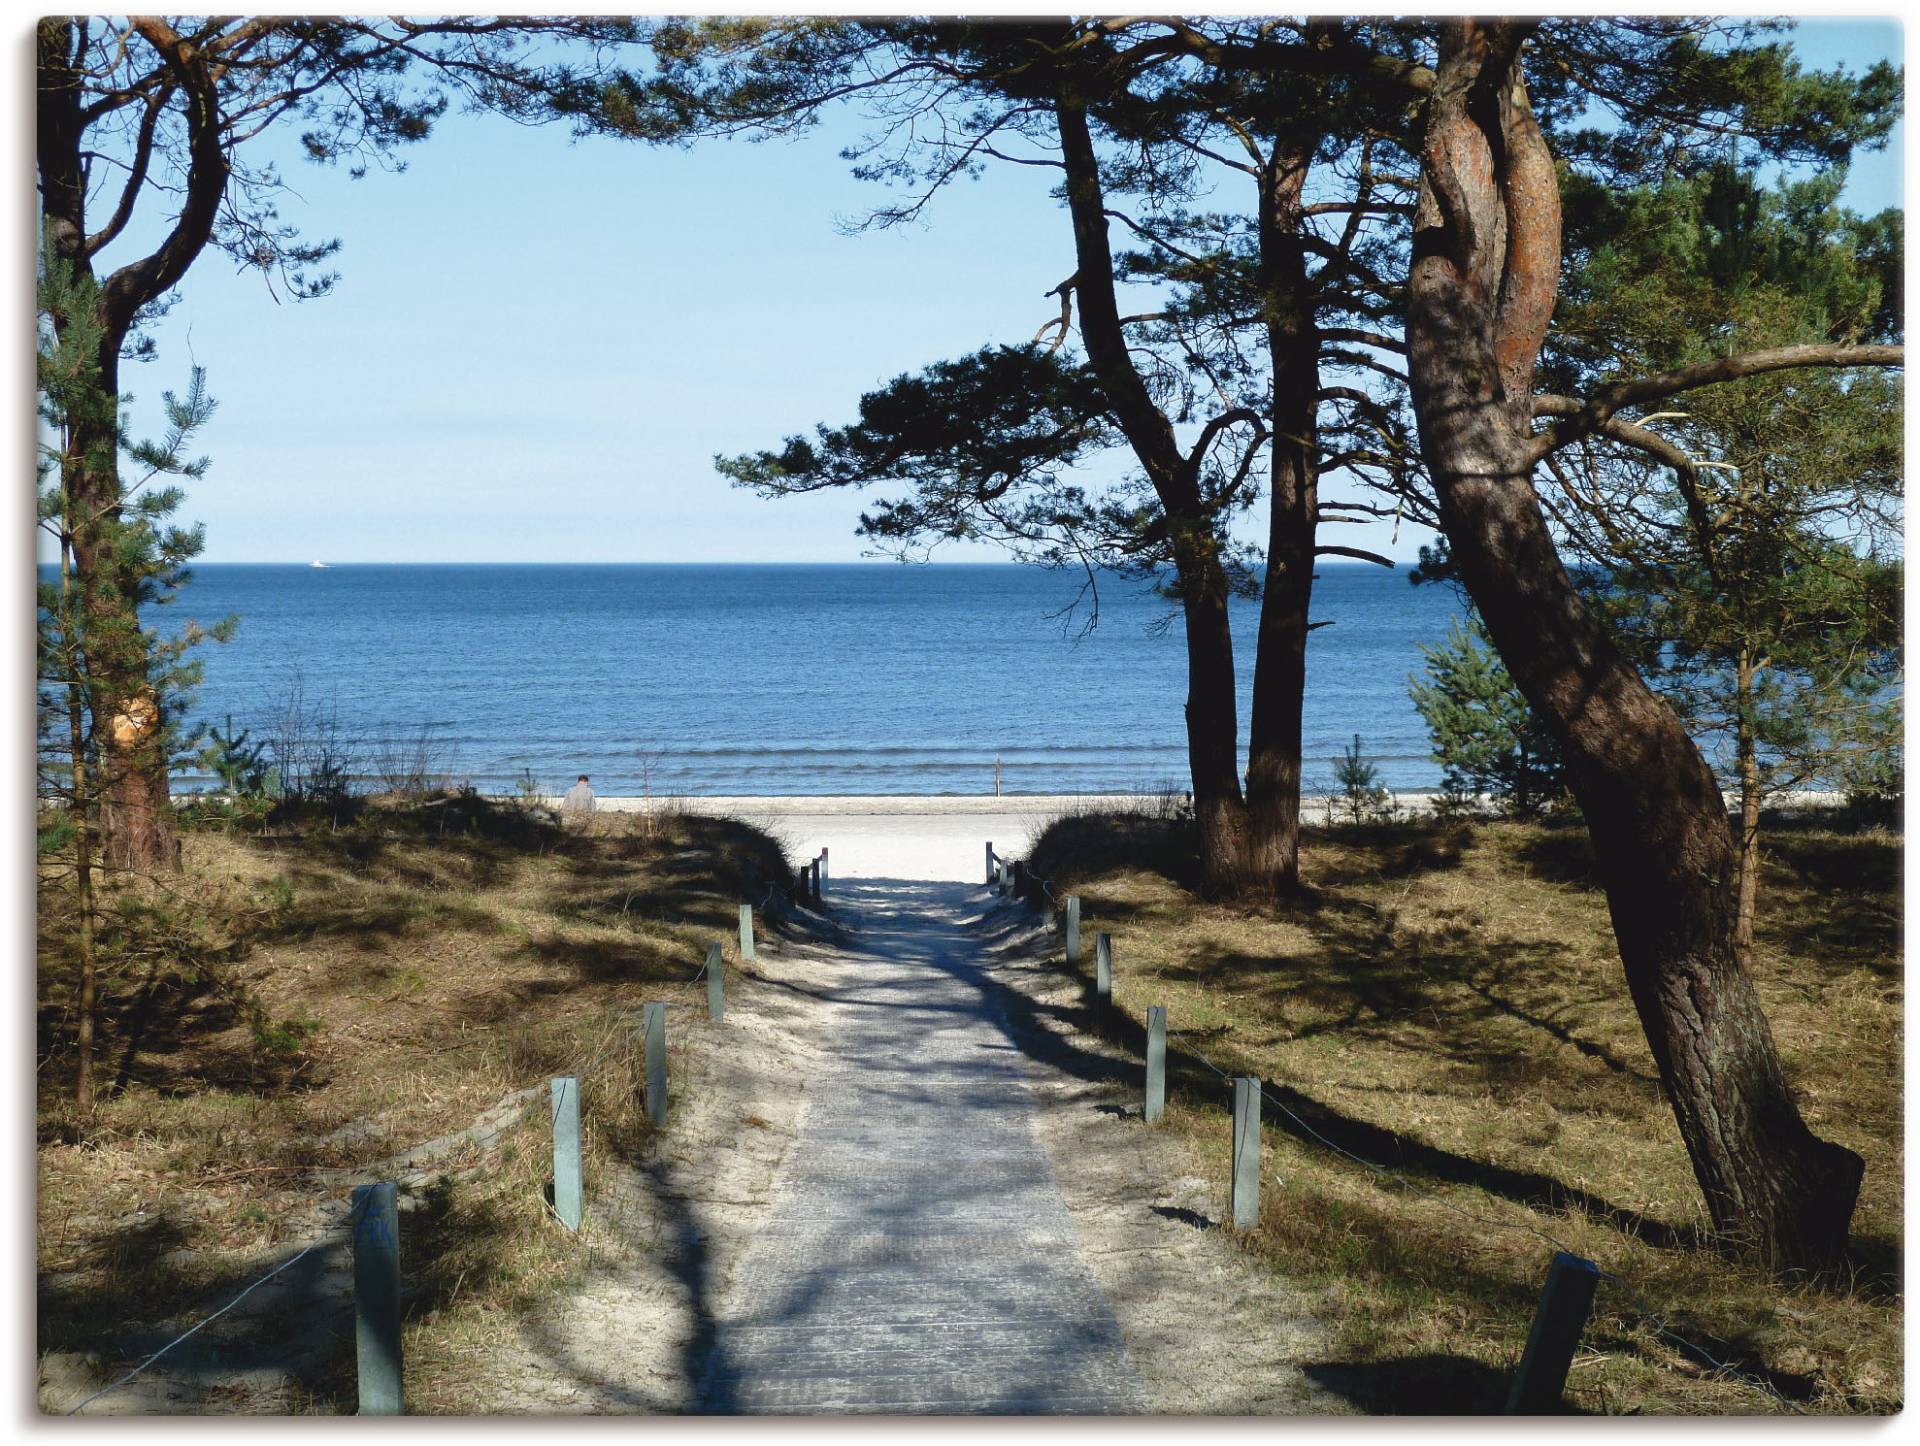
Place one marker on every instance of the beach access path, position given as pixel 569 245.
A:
pixel 918 1255
pixel 899 1178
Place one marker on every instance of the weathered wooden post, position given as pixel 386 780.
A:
pixel 653 1030
pixel 1006 876
pixel 824 871
pixel 1246 1153
pixel 1540 1385
pixel 1020 879
pixel 989 861
pixel 1073 928
pixel 1102 966
pixel 376 1298
pixel 818 896
pixel 716 982
pixel 746 931
pixel 567 1184
pixel 1156 1104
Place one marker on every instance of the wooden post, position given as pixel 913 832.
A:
pixel 716 982
pixel 817 895
pixel 1020 879
pixel 989 861
pixel 376 1298
pixel 1246 1153
pixel 824 871
pixel 567 1184
pixel 653 1029
pixel 1103 967
pixel 1006 876
pixel 746 931
pixel 1540 1385
pixel 1156 1105
pixel 1073 928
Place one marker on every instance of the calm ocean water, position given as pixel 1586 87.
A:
pixel 757 679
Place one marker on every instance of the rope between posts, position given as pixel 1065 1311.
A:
pixel 1651 1317
pixel 579 1074
pixel 200 1324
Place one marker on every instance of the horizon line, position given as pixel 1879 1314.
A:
pixel 677 562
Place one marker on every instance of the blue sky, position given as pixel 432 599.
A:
pixel 538 344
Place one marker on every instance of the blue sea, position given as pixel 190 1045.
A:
pixel 788 679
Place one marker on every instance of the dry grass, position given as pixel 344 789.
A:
pixel 1450 1005
pixel 319 998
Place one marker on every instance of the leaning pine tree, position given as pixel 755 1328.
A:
pixel 1484 275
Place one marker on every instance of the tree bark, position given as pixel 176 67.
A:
pixel 87 1006
pixel 1212 719
pixel 1481 289
pixel 136 819
pixel 1280 666
pixel 1747 761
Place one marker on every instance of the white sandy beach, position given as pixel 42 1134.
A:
pixel 943 837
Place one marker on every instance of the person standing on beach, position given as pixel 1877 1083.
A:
pixel 579 801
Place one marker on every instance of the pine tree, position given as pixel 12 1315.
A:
pixel 110 686
pixel 1486 738
pixel 1757 585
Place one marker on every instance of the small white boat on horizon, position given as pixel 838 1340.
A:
pixel 316 563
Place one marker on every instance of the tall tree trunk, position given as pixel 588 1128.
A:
pixel 1212 718
pixel 80 776
pixel 1481 289
pixel 135 818
pixel 1280 665
pixel 1213 745
pixel 1747 759
pixel 136 822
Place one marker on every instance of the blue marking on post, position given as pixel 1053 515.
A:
pixel 376 1298
pixel 567 1182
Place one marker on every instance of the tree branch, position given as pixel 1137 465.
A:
pixel 138 282
pixel 1593 414
pixel 136 172
pixel 1329 550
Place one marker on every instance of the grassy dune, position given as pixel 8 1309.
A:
pixel 1450 1005
pixel 302 1004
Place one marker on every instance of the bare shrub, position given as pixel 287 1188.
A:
pixel 654 810
pixel 312 760
pixel 410 767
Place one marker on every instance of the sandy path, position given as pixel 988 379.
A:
pixel 898 1178
pixel 918 1256
pixel 910 1183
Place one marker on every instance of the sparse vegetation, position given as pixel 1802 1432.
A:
pixel 410 766
pixel 1450 1005
pixel 1361 796
pixel 311 1000
pixel 313 760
